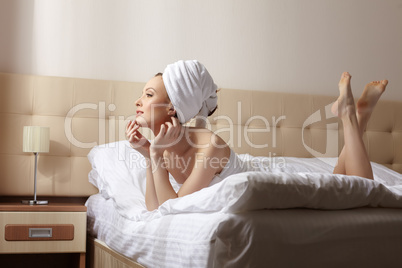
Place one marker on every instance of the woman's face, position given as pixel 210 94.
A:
pixel 154 107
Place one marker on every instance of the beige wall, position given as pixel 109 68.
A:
pixel 272 45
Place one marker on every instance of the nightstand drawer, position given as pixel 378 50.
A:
pixel 58 232
pixel 39 232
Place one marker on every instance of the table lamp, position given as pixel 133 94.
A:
pixel 35 140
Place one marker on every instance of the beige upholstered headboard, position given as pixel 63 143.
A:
pixel 82 113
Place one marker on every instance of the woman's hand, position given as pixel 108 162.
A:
pixel 168 135
pixel 136 139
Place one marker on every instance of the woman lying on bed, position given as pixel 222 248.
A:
pixel 195 156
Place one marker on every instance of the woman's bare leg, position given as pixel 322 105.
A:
pixel 365 106
pixel 355 156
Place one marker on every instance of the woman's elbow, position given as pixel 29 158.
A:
pixel 151 205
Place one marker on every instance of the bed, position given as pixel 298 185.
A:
pixel 293 134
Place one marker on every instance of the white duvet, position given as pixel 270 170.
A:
pixel 306 183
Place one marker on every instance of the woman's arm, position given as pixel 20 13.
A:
pixel 142 145
pixel 167 135
pixel 163 188
pixel 151 199
pixel 208 162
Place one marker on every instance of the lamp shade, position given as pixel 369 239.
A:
pixel 36 139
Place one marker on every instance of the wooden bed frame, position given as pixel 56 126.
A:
pixel 100 255
pixel 82 113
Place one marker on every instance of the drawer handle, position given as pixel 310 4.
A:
pixel 40 232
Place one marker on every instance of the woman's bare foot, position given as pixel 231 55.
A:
pixel 344 105
pixel 365 105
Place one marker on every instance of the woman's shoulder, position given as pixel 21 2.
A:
pixel 209 144
pixel 205 137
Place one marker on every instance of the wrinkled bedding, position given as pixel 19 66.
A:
pixel 294 183
pixel 192 225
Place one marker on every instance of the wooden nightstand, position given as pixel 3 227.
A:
pixel 48 230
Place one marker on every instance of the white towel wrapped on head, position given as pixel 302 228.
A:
pixel 190 88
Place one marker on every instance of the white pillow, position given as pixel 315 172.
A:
pixel 119 172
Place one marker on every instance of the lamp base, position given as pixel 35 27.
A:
pixel 35 202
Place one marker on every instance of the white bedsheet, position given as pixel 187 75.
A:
pixel 363 237
pixel 193 230
pixel 184 240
